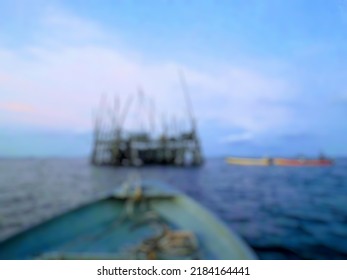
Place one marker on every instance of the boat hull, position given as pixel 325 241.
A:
pixel 111 228
pixel 278 162
pixel 302 162
pixel 249 161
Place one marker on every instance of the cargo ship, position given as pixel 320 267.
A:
pixel 249 161
pixel 266 161
pixel 302 162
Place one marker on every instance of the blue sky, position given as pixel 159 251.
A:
pixel 266 77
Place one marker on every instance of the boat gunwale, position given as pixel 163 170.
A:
pixel 243 248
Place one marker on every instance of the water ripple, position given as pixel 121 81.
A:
pixel 284 213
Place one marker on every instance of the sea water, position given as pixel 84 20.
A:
pixel 282 212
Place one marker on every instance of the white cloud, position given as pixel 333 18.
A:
pixel 58 27
pixel 237 138
pixel 64 74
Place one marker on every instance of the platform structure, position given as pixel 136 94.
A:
pixel 116 146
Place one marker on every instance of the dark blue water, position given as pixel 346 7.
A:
pixel 282 212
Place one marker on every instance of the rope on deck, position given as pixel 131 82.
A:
pixel 165 243
pixel 169 244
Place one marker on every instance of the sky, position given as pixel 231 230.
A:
pixel 265 77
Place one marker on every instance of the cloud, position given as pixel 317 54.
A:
pixel 17 108
pixel 76 30
pixel 298 136
pixel 65 71
pixel 238 138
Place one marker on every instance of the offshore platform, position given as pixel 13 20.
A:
pixel 117 146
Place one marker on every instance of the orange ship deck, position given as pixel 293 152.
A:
pixel 302 162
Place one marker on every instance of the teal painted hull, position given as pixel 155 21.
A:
pixel 120 226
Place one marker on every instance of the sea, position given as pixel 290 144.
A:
pixel 281 212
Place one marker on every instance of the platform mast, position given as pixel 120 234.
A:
pixel 196 148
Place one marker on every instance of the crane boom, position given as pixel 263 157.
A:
pixel 187 98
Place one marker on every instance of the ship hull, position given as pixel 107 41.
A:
pixel 278 162
pixel 302 162
pixel 249 161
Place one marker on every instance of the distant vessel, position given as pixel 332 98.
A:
pixel 249 161
pixel 302 162
pixel 145 220
pixel 321 161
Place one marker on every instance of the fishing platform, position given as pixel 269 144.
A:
pixel 116 146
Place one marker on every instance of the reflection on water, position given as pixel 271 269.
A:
pixel 281 212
